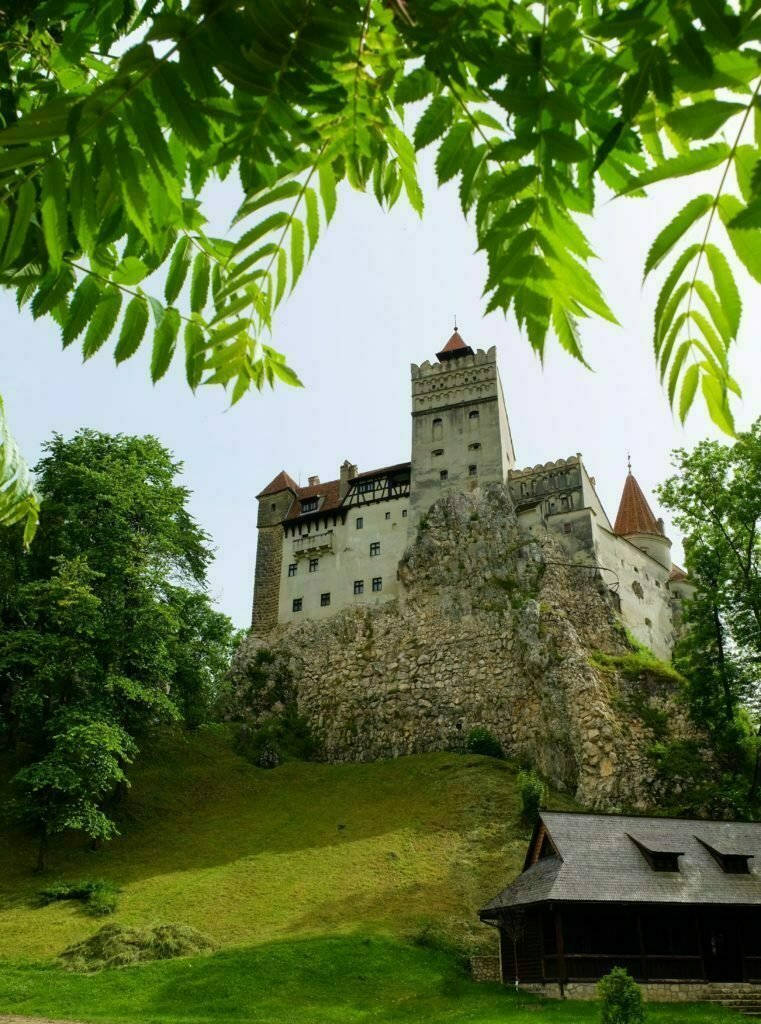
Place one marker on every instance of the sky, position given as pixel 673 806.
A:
pixel 381 292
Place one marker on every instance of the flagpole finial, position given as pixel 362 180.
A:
pixel 629 460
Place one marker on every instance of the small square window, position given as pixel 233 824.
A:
pixel 360 522
pixel 377 583
pixel 567 527
pixel 404 513
pixel 309 505
pixel 292 569
pixel 359 586
pixel 297 602
pixel 324 600
pixel 473 414
pixel 313 564
pixel 472 470
pixel 475 446
pixel 444 474
pixel 375 548
pixel 388 515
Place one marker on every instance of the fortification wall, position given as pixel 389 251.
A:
pixel 488 631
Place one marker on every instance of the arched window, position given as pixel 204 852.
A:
pixel 473 418
pixel 438 429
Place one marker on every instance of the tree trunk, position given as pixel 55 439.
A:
pixel 729 704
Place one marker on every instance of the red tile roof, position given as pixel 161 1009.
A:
pixel 634 513
pixel 329 491
pixel 454 347
pixel 282 482
pixel 677 575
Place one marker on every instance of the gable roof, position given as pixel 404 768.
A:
pixel 454 348
pixel 634 512
pixel 282 482
pixel 598 861
pixel 330 492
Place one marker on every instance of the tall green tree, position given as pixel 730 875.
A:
pixel 117 113
pixel 106 630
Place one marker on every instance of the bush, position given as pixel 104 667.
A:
pixel 532 792
pixel 481 741
pixel 620 999
pixel 98 896
pixel 286 737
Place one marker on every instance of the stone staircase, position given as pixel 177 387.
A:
pixel 740 997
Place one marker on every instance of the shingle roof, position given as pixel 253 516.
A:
pixel 634 513
pixel 330 491
pixel 383 471
pixel 454 348
pixel 598 862
pixel 282 482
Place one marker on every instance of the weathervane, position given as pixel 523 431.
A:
pixel 629 460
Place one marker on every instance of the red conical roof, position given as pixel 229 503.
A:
pixel 634 513
pixel 282 482
pixel 454 348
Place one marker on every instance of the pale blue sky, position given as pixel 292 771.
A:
pixel 380 293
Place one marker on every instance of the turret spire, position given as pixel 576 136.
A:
pixel 634 513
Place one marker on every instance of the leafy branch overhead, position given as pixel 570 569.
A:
pixel 537 111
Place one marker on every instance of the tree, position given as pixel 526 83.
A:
pixel 106 631
pixel 715 496
pixel 116 115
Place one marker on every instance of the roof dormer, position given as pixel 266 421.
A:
pixel 659 860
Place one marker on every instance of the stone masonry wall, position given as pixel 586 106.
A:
pixel 269 557
pixel 489 631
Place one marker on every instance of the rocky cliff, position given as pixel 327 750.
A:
pixel 495 628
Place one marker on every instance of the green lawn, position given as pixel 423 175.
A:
pixel 317 881
pixel 345 980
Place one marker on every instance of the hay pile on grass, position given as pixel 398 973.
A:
pixel 118 946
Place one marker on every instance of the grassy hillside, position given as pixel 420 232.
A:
pixel 326 887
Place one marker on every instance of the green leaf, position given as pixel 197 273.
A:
pixel 52 291
pixel 287 190
pixel 563 147
pixel 717 400
pixel 281 276
pixel 434 121
pixel 567 331
pixel 703 119
pixel 102 322
pixel 749 216
pixel 82 306
pixel 312 218
pixel 271 223
pixel 453 152
pixel 130 271
pixel 702 159
pixel 746 243
pixel 199 282
pixel 194 353
pixel 726 288
pixel 297 251
pixel 415 86
pixel 689 387
pixel 164 341
pixel 179 265
pixel 746 169
pixel 673 231
pixel 132 188
pixel 82 199
pixel 182 113
pixel 327 190
pixel 285 373
pixel 407 167
pixel 683 351
pixel 133 329
pixel 712 304
pixel 27 196
pixel 681 264
pixel 18 498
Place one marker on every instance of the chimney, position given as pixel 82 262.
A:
pixel 314 481
pixel 348 472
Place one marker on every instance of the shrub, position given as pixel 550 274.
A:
pixel 286 737
pixel 98 896
pixel 620 999
pixel 532 792
pixel 481 741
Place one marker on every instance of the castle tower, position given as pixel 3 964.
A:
pixel 460 432
pixel 274 504
pixel 636 522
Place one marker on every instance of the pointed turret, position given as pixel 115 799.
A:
pixel 636 522
pixel 454 348
pixel 282 482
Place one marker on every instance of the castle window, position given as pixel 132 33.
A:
pixel 360 522
pixel 473 414
pixel 297 603
pixel 309 505
pixel 365 485
pixel 324 600
pixel 472 470
pixel 292 569
pixel 444 474
pixel 313 564
pixel 474 446
pixel 404 513
pixel 377 584
pixel 359 586
pixel 473 418
pixel 388 515
pixel 436 452
pixel 438 429
pixel 273 506
pixel 567 527
pixel 375 548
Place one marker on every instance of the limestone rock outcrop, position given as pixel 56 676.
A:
pixel 495 628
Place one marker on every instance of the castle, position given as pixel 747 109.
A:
pixel 330 546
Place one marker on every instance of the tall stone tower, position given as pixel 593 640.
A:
pixel 460 432
pixel 274 503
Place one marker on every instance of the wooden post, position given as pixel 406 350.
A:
pixel 562 972
pixel 642 950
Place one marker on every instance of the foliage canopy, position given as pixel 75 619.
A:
pixel 116 113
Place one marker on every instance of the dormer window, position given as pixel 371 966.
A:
pixel 363 486
pixel 730 863
pixel 309 505
pixel 659 860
